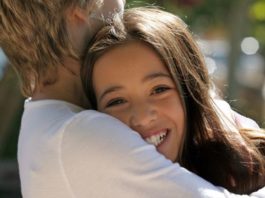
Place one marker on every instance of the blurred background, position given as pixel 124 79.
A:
pixel 232 37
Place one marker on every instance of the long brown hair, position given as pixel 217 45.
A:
pixel 228 159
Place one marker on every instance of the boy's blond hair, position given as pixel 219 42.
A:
pixel 34 37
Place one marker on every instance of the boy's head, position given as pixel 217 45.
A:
pixel 37 35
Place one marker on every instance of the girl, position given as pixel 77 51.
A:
pixel 148 72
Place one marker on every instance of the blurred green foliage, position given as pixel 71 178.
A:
pixel 11 105
pixel 257 15
pixel 258 10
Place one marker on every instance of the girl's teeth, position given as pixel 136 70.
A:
pixel 156 139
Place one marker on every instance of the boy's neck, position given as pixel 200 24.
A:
pixel 67 87
pixel 70 93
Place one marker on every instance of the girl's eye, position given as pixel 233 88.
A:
pixel 160 89
pixel 115 102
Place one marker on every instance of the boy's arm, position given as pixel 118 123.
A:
pixel 232 119
pixel 101 157
pixel 244 122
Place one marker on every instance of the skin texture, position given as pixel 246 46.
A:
pixel 138 90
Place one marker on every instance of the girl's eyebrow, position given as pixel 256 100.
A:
pixel 153 75
pixel 109 90
pixel 148 77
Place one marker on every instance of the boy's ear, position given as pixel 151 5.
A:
pixel 77 15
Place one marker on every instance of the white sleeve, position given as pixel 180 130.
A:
pixel 101 157
pixel 232 118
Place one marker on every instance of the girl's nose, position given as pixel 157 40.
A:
pixel 142 116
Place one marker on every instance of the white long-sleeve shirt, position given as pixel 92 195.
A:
pixel 65 151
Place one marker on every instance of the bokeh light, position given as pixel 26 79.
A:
pixel 249 45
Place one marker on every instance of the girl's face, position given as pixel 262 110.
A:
pixel 132 84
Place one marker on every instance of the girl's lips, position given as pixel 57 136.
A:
pixel 157 138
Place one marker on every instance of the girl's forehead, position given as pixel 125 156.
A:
pixel 129 55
